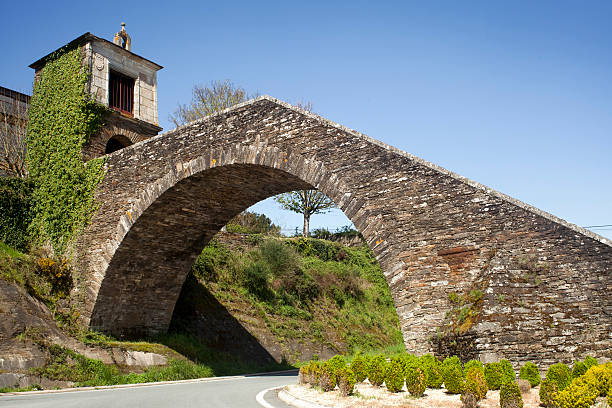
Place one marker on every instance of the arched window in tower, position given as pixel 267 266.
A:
pixel 117 142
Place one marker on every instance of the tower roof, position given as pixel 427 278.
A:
pixel 83 39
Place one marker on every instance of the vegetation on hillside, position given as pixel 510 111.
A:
pixel 248 222
pixel 306 288
pixel 301 289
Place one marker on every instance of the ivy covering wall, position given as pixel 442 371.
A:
pixel 62 117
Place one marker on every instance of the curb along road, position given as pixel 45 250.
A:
pixel 288 398
pixel 149 384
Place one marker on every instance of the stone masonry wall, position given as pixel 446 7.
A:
pixel 105 57
pixel 116 124
pixel 433 232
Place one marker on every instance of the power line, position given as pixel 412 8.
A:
pixel 599 226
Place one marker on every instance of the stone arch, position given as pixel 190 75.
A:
pixel 140 288
pixel 116 143
pixel 433 232
pixel 130 131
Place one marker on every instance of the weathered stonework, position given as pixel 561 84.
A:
pixel 104 56
pixel 117 125
pixel 432 231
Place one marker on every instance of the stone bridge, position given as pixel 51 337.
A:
pixel 546 282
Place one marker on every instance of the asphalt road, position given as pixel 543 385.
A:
pixel 238 392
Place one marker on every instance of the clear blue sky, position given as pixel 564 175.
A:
pixel 516 95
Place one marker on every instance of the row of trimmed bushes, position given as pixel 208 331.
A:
pixel 577 387
pixel 562 387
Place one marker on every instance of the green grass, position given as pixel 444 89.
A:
pixel 388 351
pixel 67 365
pixel 16 266
pixel 11 252
pixel 293 283
pixel 194 361
pixel 186 347
pixel 20 389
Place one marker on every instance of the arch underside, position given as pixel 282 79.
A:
pixel 144 278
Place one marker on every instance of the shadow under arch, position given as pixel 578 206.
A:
pixel 169 224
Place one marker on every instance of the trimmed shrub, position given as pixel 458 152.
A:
pixel 493 375
pixel 345 378
pixel 579 369
pixel 409 362
pixel 433 370
pixel 524 386
pixel 453 379
pixel 359 367
pixel 548 392
pixel 475 383
pixel 416 382
pixel 376 370
pixel 472 363
pixel 310 373
pixel 510 395
pixel 327 380
pixel 469 400
pixel 313 373
pixel 303 374
pixel 334 364
pixel 508 374
pixel 394 375
pixel 560 374
pixel 599 377
pixel 451 361
pixel 590 362
pixel 450 364
pixel 529 371
pixel 579 394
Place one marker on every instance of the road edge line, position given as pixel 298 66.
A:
pixel 149 384
pixel 260 397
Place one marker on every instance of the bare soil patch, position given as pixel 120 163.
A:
pixel 368 396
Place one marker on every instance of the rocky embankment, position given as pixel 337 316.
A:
pixel 27 327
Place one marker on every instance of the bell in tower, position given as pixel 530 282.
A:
pixel 122 39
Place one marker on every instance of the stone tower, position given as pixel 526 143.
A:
pixel 124 82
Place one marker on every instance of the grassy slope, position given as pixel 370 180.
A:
pixel 286 295
pixel 298 297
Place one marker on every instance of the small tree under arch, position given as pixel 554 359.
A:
pixel 307 203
